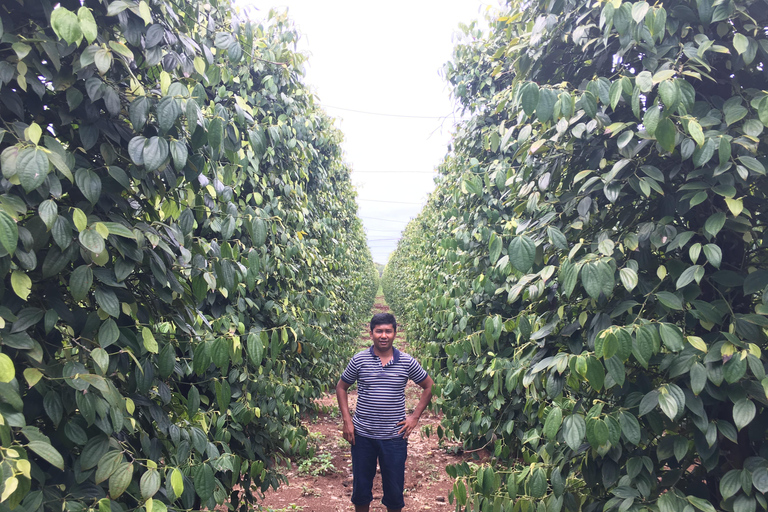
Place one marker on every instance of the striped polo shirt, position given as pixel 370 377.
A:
pixel 381 391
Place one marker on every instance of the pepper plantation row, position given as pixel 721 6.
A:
pixel 589 281
pixel 181 265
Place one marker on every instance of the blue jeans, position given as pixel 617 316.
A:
pixel 391 454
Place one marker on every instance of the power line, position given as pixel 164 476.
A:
pixel 394 172
pixel 385 220
pixel 383 114
pixel 383 201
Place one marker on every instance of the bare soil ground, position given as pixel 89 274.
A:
pixel 427 485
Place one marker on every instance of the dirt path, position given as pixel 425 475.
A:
pixel 324 483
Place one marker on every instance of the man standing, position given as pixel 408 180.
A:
pixel 380 428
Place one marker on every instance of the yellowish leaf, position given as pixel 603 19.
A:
pixel 165 82
pixel 145 13
pixel 536 146
pixel 101 229
pixel 149 340
pixel 697 343
pixel 33 376
pixel 7 370
pixel 21 283
pixel 79 218
pixel 735 205
pixel 665 74
pixel 11 483
pixel 33 133
pixel 199 64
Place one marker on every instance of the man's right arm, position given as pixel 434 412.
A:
pixel 342 397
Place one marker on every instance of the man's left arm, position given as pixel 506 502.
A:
pixel 410 422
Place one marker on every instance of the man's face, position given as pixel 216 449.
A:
pixel 382 336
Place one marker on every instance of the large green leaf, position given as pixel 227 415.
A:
pixel 760 479
pixel 704 153
pixel 87 24
pixel 223 394
pixel 568 277
pixel 149 483
pixel 574 430
pixel 47 452
pixel 495 247
pixel 537 483
pixel 139 114
pixel 204 482
pixel 698 377
pixel 259 232
pixel 546 105
pixel 597 277
pixel 215 133
pixel 108 463
pixel 179 154
pixel 714 223
pixel 616 370
pixel 89 184
pixel 255 349
pixel 66 25
pixel 630 427
pixel 120 480
pixel 9 233
pixel 734 110
pixel 529 97
pixel 80 282
pixel 743 412
pixel 108 301
pixel 671 336
pixel 522 252
pixel 168 110
pixel 32 167
pixel 666 134
pixel 557 238
pixel 669 91
pixel 155 153
pixel 552 424
pixel 92 240
pixel 730 484
pixel 93 451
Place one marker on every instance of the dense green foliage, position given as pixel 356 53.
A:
pixel 591 274
pixel 181 265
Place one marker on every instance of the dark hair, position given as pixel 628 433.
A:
pixel 383 319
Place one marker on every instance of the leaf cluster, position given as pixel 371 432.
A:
pixel 181 266
pixel 590 275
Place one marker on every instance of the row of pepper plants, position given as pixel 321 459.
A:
pixel 589 280
pixel 181 264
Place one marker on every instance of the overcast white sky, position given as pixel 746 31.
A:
pixel 368 58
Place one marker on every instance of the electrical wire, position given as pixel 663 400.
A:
pixel 383 114
pixel 394 172
pixel 385 220
pixel 383 201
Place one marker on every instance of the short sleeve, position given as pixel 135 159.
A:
pixel 415 372
pixel 350 373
